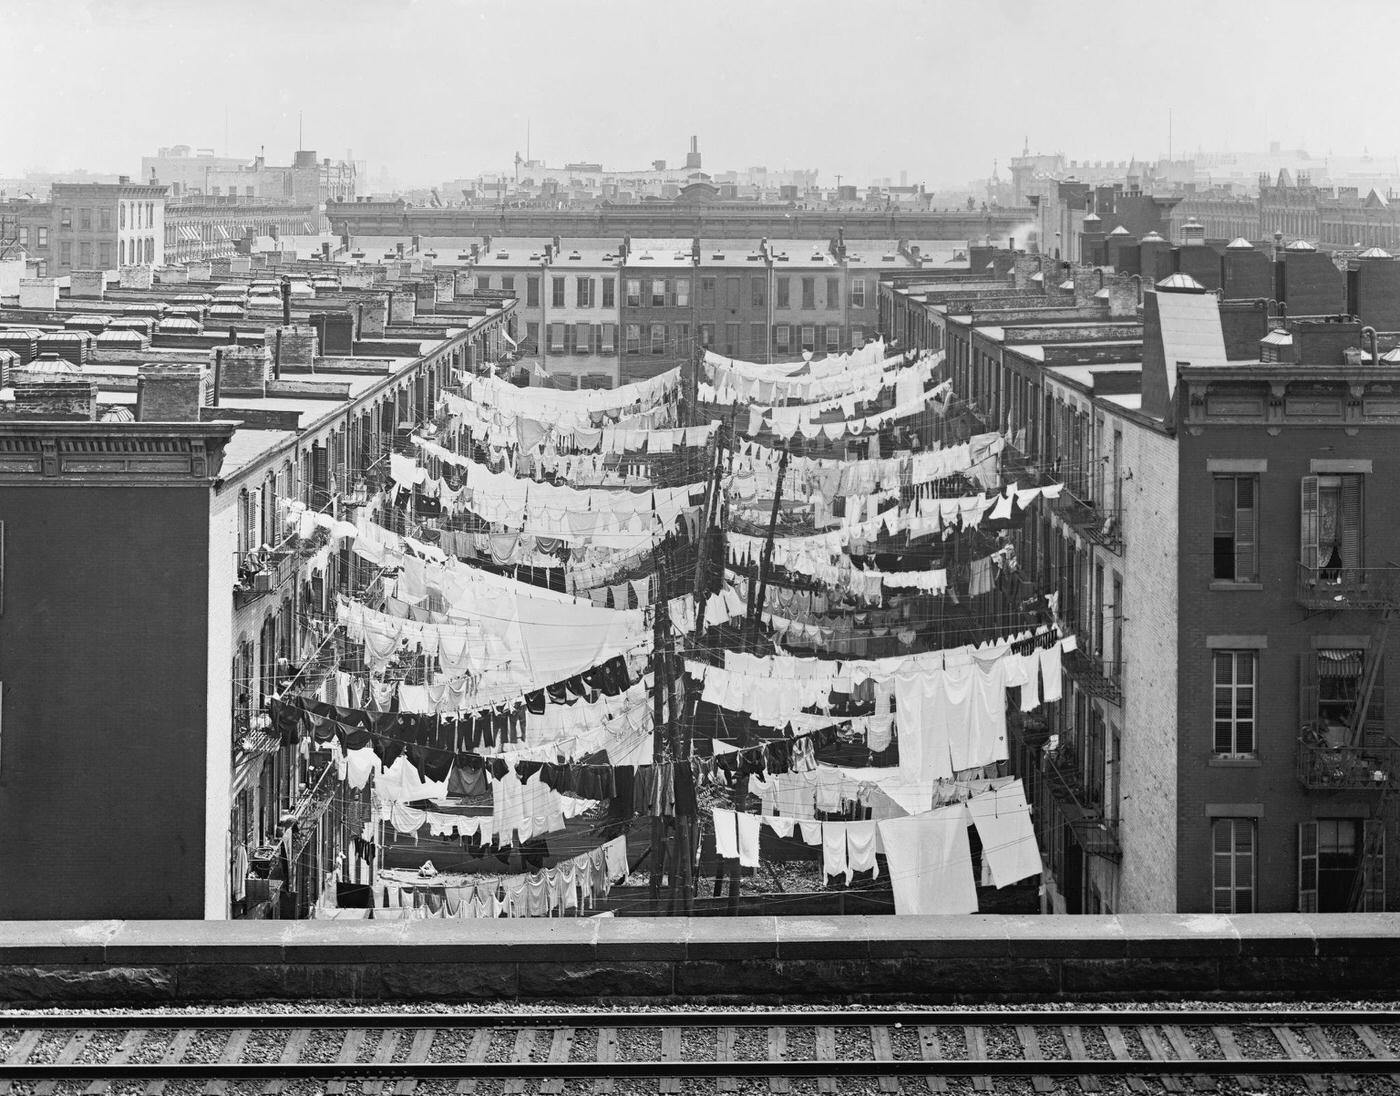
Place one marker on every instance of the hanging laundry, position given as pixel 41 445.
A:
pixel 930 861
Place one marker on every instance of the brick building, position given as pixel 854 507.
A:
pixel 93 226
pixel 183 448
pixel 1219 549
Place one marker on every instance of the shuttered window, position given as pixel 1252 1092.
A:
pixel 1232 865
pixel 1341 865
pixel 1236 522
pixel 583 338
pixel 1332 525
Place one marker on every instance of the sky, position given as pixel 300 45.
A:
pixel 441 89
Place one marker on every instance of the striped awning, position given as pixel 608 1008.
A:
pixel 1333 662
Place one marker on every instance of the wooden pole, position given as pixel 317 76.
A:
pixel 756 611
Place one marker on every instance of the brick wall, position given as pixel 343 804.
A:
pixel 89 284
pixel 38 293
pixel 136 277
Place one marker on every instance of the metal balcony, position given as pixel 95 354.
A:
pixel 1326 768
pixel 1097 524
pixel 278 568
pixel 1100 677
pixel 1323 588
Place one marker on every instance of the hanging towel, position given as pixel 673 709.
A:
pixel 1050 683
pixel 861 839
pixel 811 832
pixel 783 827
pixel 834 861
pixel 1003 820
pixel 748 839
pixel 726 833
pixel 930 862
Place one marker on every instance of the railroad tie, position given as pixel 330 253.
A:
pixel 419 1052
pixel 522 1051
pixel 349 1052
pixel 1157 1051
pixel 1187 1053
pixel 1119 1046
pixel 1375 1046
pixel 560 1047
pixel 232 1052
pixel 1030 1050
pixel 67 1056
pixel 671 1052
pixel 931 1050
pixel 130 1043
pixel 1343 1082
pixel 976 1039
pixel 1297 1050
pixel 607 1052
pixel 1231 1049
pixel 884 1052
pixel 1074 1040
pixel 19 1053
pixel 724 1052
pixel 826 1052
pixel 173 1053
pixel 481 1043
pixel 777 1052
pixel 384 1053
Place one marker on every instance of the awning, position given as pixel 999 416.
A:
pixel 223 232
pixel 1339 663
pixel 506 335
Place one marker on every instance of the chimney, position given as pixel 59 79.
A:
pixel 1193 233
pixel 59 397
pixel 123 180
pixel 170 392
pixel 244 370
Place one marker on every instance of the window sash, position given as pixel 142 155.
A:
pixel 1233 842
pixel 1235 692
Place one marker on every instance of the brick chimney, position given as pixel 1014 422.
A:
pixel 60 397
pixel 243 370
pixel 170 392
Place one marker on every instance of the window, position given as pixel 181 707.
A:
pixel 583 338
pixel 634 333
pixel 707 335
pixel 683 346
pixel 508 282
pixel 782 338
pixel 682 292
pixel 556 338
pixel 609 293
pixel 121 212
pixel 608 344
pixel 634 293
pixel 65 253
pixel 483 283
pixel 23 235
pixel 833 293
pixel 1236 519
pixel 556 291
pixel 532 291
pixel 532 334
pixel 104 219
pixel 1331 687
pixel 732 287
pixel 809 292
pixel 809 336
pixel 104 253
pixel 707 293
pixel 43 236
pixel 85 218
pixel 658 338
pixel 857 292
pixel 758 292
pixel 121 249
pixel 658 293
pixel 85 255
pixel 857 337
pixel 1331 526
pixel 1232 865
pixel 1341 865
pixel 65 218
pixel 833 338
pixel 783 293
pixel 731 339
pixel 1235 679
pixel 584 289
pixel 758 339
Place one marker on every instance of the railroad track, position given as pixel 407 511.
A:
pixel 912 1051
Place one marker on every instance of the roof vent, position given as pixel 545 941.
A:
pixel 1180 283
pixel 504 255
pixel 1239 243
pixel 1300 245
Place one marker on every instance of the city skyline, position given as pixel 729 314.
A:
pixel 800 76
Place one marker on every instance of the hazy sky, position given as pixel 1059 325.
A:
pixel 435 89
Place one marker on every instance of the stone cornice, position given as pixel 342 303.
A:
pixel 48 454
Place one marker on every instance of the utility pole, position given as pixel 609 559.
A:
pixel 659 743
pixel 756 612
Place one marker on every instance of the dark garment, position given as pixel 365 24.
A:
pixel 624 780
pixel 685 789
pixel 286 722
pixel 353 896
pixel 464 783
pixel 535 702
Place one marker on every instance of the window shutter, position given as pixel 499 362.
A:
pixel 1350 518
pixel 1307 867
pixel 1373 864
pixel 1246 554
pixel 1307 549
pixel 1307 689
